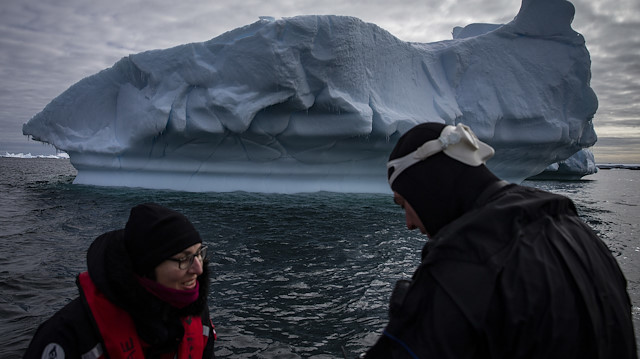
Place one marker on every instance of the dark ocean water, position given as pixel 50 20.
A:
pixel 293 276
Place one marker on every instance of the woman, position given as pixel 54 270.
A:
pixel 144 295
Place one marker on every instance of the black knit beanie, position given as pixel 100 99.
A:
pixel 155 233
pixel 440 189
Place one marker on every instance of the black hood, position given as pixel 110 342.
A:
pixel 157 322
pixel 439 188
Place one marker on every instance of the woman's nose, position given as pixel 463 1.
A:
pixel 196 267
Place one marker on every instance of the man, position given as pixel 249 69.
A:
pixel 508 271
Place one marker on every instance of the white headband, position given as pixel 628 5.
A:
pixel 457 142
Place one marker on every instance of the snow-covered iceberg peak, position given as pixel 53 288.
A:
pixel 317 102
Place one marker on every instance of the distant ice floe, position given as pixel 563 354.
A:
pixel 60 155
pixel 582 163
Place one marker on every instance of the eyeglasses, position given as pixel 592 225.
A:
pixel 187 262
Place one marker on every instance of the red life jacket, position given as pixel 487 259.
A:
pixel 119 334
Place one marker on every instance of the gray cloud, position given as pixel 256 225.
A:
pixel 612 32
pixel 617 150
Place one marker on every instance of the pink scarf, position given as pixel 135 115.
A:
pixel 177 298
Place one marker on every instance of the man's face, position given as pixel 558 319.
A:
pixel 413 221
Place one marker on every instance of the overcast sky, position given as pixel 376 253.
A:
pixel 48 45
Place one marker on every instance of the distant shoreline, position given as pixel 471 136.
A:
pixel 64 156
pixel 610 166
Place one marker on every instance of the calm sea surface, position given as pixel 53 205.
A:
pixel 293 276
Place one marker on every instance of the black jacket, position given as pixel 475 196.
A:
pixel 157 323
pixel 520 276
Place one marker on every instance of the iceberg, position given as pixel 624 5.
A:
pixel 582 163
pixel 313 103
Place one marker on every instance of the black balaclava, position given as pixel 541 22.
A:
pixel 440 189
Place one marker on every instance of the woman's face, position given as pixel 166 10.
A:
pixel 170 275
